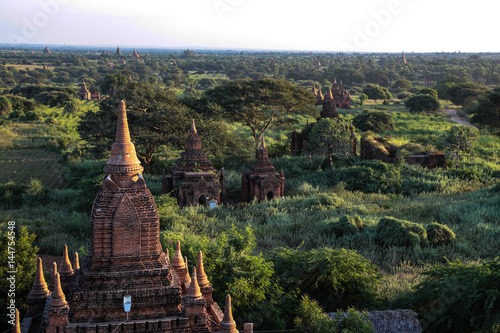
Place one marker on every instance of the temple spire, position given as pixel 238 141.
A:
pixel 123 157
pixel 178 262
pixel 53 276
pixel 193 127
pixel 202 276
pixel 17 327
pixel 188 278
pixel 228 325
pixel 39 289
pixel 76 264
pixel 66 268
pixel 58 297
pixel 194 289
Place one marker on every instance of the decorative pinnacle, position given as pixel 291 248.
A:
pixel 228 325
pixel 188 278
pixel 39 289
pixel 193 127
pixel 58 297
pixel 53 276
pixel 66 268
pixel 76 262
pixel 262 142
pixel 202 276
pixel 122 131
pixel 17 328
pixel 178 262
pixel 194 289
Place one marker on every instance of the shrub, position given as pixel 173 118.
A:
pixel 422 103
pixel 404 95
pixel 336 278
pixel 348 225
pixel 439 234
pixel 311 319
pixel 460 298
pixel 375 121
pixel 394 232
pixel 429 91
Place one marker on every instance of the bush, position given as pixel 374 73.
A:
pixel 394 232
pixel 375 121
pixel 460 298
pixel 439 234
pixel 348 225
pixel 404 95
pixel 429 91
pixel 422 103
pixel 311 319
pixel 336 278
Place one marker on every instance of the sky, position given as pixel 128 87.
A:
pixel 314 25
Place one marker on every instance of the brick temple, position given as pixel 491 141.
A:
pixel 336 93
pixel 125 258
pixel 88 94
pixel 262 181
pixel 194 180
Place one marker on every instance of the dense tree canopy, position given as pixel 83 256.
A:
pixel 487 111
pixel 422 103
pixel 258 104
pixel 376 92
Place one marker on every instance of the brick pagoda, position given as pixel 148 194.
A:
pixel 194 180
pixel 84 93
pixel 262 181
pixel 337 94
pixel 125 258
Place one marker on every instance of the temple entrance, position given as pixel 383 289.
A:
pixel 270 195
pixel 202 201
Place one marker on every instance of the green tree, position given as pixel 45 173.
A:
pixel 362 99
pixel 154 115
pixel 336 278
pixel 375 121
pixel 402 84
pixel 70 107
pixel 328 139
pixel 429 91
pixel 422 103
pixel 487 111
pixel 5 106
pixel 258 104
pixel 376 92
pixel 465 93
pixel 459 141
pixel 23 258
pixel 460 297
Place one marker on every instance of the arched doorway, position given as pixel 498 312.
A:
pixel 202 200
pixel 270 195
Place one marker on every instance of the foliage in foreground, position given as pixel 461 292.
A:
pixel 460 298
pixel 311 319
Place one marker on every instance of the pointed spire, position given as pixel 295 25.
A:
pixel 228 325
pixel 167 254
pixel 314 90
pixel 58 297
pixel 123 158
pixel 76 264
pixel 53 277
pixel 17 327
pixel 263 164
pixel 194 289
pixel 188 278
pixel 39 289
pixel 202 276
pixel 178 262
pixel 320 94
pixel 66 268
pixel 329 94
pixel 193 127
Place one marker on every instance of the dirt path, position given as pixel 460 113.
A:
pixel 456 118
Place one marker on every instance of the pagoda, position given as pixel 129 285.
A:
pixel 125 259
pixel 135 54
pixel 262 181
pixel 402 60
pixel 340 97
pixel 194 180
pixel 329 106
pixel 118 51
pixel 46 50
pixel 84 93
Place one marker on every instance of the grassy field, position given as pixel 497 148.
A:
pixel 21 165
